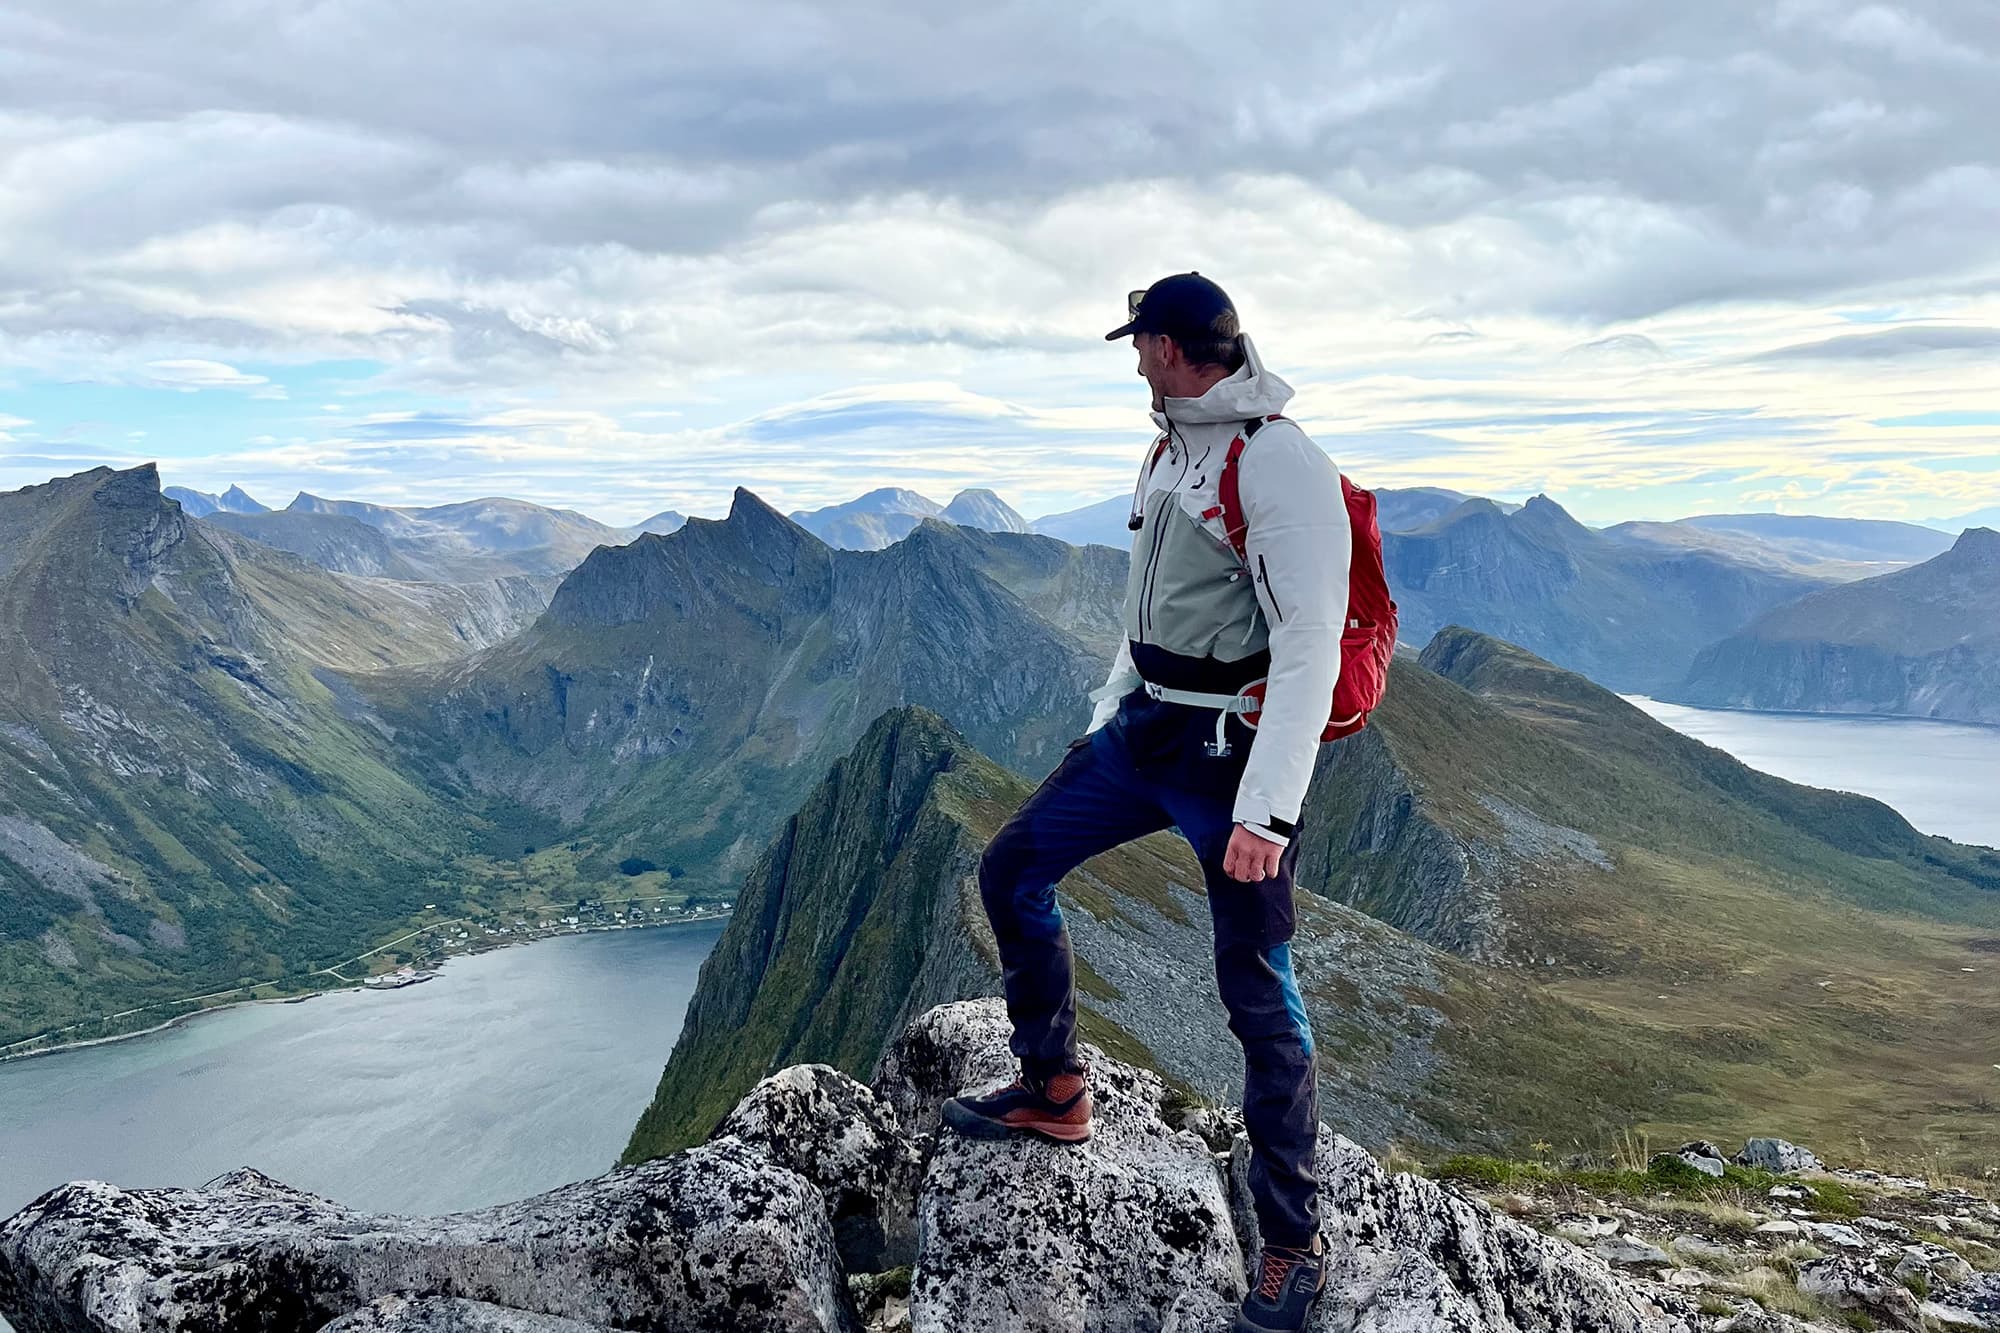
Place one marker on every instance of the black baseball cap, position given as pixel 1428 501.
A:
pixel 1186 307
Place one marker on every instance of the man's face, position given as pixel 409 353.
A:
pixel 1153 352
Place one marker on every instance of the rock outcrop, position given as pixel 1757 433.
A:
pixel 717 1236
pixel 1133 1232
pixel 1104 1237
pixel 1777 1156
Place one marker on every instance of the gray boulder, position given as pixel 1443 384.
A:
pixel 1703 1156
pixel 718 1236
pixel 404 1313
pixel 1108 1236
pixel 838 1134
pixel 1406 1253
pixel 1934 1264
pixel 1850 1283
pixel 1631 1252
pixel 1778 1156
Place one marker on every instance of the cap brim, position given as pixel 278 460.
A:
pixel 1122 330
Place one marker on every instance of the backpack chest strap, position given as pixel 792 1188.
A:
pixel 1227 491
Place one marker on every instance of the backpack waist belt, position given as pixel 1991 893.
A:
pixel 1242 704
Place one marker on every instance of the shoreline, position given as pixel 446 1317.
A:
pixel 360 985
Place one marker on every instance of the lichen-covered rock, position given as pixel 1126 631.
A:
pixel 403 1313
pixel 1406 1253
pixel 838 1134
pixel 719 1236
pixel 951 1047
pixel 1778 1156
pixel 1972 1304
pixel 1850 1283
pixel 1101 1237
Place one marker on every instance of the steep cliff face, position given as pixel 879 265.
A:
pixel 1630 616
pixel 1921 642
pixel 859 915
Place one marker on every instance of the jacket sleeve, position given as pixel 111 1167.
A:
pixel 1298 545
pixel 1124 678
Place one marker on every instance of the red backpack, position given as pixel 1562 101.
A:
pixel 1369 640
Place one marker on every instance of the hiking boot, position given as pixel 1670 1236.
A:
pixel 1057 1108
pixel 1288 1281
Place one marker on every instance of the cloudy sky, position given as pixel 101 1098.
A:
pixel 1651 259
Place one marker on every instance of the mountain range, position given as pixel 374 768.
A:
pixel 1531 912
pixel 681 693
pixel 1629 615
pixel 1921 642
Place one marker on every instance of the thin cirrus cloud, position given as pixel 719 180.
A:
pixel 1507 233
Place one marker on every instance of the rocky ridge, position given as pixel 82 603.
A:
pixel 1139 1231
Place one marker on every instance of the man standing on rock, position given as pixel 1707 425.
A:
pixel 1164 750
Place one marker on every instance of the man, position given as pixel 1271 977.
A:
pixel 1200 624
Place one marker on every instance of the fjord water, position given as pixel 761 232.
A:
pixel 512 1072
pixel 1941 776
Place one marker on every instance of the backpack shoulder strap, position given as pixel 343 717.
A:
pixel 1226 491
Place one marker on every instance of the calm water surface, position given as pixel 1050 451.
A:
pixel 513 1072
pixel 1941 776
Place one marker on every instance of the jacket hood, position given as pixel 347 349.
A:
pixel 1251 391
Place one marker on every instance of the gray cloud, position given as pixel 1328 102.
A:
pixel 1675 154
pixel 1890 344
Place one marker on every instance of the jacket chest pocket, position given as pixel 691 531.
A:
pixel 1204 510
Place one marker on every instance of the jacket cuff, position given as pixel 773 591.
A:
pixel 1269 835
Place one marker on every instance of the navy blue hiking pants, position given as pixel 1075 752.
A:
pixel 1144 771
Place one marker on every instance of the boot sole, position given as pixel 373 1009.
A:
pixel 975 1126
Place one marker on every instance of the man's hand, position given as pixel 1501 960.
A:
pixel 1250 858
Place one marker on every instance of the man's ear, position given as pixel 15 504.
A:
pixel 1170 353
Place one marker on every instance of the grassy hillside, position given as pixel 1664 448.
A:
pixel 1811 960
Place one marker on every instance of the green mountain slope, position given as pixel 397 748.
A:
pixel 1921 642
pixel 181 804
pixel 682 693
pixel 1817 955
pixel 864 910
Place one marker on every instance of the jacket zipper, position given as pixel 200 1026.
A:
pixel 1149 582
pixel 1264 577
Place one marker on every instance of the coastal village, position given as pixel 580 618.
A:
pixel 418 959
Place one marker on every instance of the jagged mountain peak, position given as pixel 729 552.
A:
pixel 1543 515
pixel 696 565
pixel 753 520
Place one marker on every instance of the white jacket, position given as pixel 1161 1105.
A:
pixel 1188 595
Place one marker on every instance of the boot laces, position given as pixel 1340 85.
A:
pixel 1278 1265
